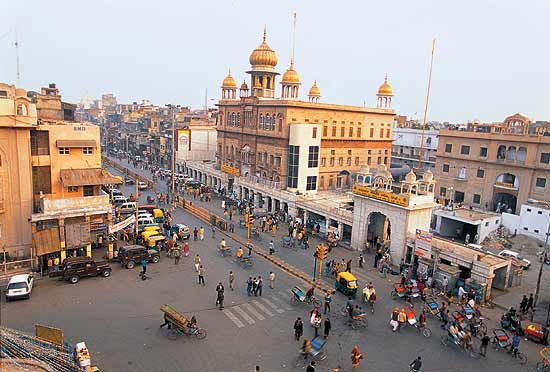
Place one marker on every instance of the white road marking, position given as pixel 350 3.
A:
pixel 262 307
pixel 254 311
pixel 242 313
pixel 273 306
pixel 233 318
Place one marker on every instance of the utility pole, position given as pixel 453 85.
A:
pixel 173 153
pixel 137 204
pixel 544 252
pixel 426 110
pixel 17 58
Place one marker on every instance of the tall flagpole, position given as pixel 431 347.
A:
pixel 426 110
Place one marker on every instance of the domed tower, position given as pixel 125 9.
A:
pixel 229 87
pixel 263 61
pixel 314 93
pixel 243 92
pixel 290 83
pixel 385 94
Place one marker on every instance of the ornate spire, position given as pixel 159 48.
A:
pixel 265 32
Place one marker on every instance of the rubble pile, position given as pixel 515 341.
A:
pixel 498 239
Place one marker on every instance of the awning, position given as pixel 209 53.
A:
pixel 75 143
pixel 83 177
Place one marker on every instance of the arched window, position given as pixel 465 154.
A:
pixel 228 119
pixel 280 122
pixel 511 153
pixel 462 173
pixel 267 122
pixel 522 154
pixel 268 85
pixel 238 119
pixel 261 121
pixel 273 121
pixel 501 152
pixel 21 109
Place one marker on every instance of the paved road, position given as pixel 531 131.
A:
pixel 119 318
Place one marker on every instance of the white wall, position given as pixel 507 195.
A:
pixel 413 137
pixel 301 134
pixel 532 221
pixel 203 146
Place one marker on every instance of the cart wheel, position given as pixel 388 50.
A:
pixel 426 332
pixel 201 333
pixel 522 358
pixel 172 334
pixel 322 355
pixel 316 303
pixel 300 361
pixel 445 340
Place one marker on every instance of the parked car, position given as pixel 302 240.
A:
pixel 127 208
pixel 142 185
pixel 129 181
pixel 119 200
pixel 145 221
pixel 508 253
pixel 19 286
pixel 182 231
pixel 193 183
pixel 74 268
pixel 131 255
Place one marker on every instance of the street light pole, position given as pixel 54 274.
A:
pixel 544 252
pixel 173 153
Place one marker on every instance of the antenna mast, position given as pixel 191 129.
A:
pixel 293 40
pixel 17 57
pixel 426 110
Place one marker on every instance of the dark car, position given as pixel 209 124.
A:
pixel 193 184
pixel 131 255
pixel 74 268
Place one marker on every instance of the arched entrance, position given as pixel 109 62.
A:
pixel 378 230
pixel 505 194
pixel 343 179
pixel 505 202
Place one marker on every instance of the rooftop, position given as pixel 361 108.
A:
pixel 471 216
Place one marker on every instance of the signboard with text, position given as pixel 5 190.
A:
pixel 381 195
pixel 231 170
pixel 423 244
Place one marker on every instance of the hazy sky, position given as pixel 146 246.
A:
pixel 492 57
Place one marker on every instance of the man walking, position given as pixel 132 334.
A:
pixel 271 280
pixel 231 280
pixel 219 298
pixel 249 285
pixel 260 286
pixel 177 256
pixel 356 356
pixel 484 343
pixel 271 248
pixel 328 300
pixel 201 233
pixel 298 329
pixel 143 267
pixel 328 326
pixel 201 275
pixel 197 261
pixel 213 232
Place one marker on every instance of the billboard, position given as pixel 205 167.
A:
pixel 423 244
pixel 184 140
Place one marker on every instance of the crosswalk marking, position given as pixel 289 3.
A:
pixel 233 318
pixel 246 317
pixel 262 307
pixel 253 311
pixel 273 306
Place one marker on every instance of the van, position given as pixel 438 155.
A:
pixel 127 207
pixel 143 221
pixel 119 200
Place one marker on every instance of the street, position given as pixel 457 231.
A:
pixel 119 317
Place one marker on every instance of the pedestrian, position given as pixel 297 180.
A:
pixel 260 286
pixel 271 280
pixel 143 267
pixel 231 279
pixel 523 304
pixel 195 233
pixel 201 275
pixel 444 319
pixel 249 250
pixel 219 289
pixel 327 326
pixel 186 249
pixel 271 248
pixel 348 266
pixel 197 261
pixel 213 232
pixel 249 286
pixel 298 329
pixel 484 343
pixel 530 303
pixel 311 367
pixel 328 300
pixel 316 323
pixel 356 356
pixel 201 233
pixel 445 284
pixel 255 286
pixel 177 256
pixel 361 260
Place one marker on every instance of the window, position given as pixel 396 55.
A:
pixel 387 133
pixel 476 199
pixel 462 173
pixel 271 159
pixel 357 160
pixel 480 172
pixel 88 190
pixel 322 182
pixel 541 182
pixel 368 160
pixel 313 159
pixel 465 150
pixel 359 132
pixel 445 168
pixel 261 122
pixel 330 181
pixel 332 162
pixel 314 134
pixel 369 152
pixel 325 131
pixel 311 183
pixel 545 158
pixel 381 132
pixel 386 160
pixel 332 152
pixel 87 150
pixel 40 142
pixel 483 152
pixel 379 160
pixel 443 191
pixel 448 147
pixel 267 122
pixel 340 161
pixel 73 188
pixel 342 132
pixel 459 197
pixel 293 158
pixel 371 132
pixel 64 151
pixel 323 162
pixel 351 132
pixel 349 152
pixel 280 124
pixel 333 131
pixel 349 161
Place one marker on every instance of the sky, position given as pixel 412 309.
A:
pixel 492 57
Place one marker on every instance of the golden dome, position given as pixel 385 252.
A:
pixel 229 81
pixel 385 89
pixel 291 76
pixel 314 91
pixel 263 55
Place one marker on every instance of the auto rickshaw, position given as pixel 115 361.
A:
pixel 155 241
pixel 346 283
pixel 149 233
pixel 158 215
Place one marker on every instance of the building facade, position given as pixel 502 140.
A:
pixel 495 167
pixel 406 148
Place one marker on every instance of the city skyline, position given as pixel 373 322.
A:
pixel 349 60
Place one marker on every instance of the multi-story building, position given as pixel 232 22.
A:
pixel 197 142
pixel 406 148
pixel 495 167
pixel 303 146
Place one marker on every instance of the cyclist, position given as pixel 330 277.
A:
pixel 416 364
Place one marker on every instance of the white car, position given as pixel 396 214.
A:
pixel 142 185
pixel 517 256
pixel 20 286
pixel 143 214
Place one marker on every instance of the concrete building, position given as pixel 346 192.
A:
pixel 533 220
pixel 196 142
pixel 406 148
pixel 494 167
pixel 17 119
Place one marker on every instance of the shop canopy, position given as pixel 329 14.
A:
pixel 84 177
pixel 75 143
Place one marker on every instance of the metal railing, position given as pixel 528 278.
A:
pixel 265 182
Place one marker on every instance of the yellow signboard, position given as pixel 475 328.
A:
pixel 231 170
pixel 49 334
pixel 381 195
pixel 504 184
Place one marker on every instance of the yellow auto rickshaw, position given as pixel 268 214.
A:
pixel 149 233
pixel 346 283
pixel 158 215
pixel 154 241
pixel 152 228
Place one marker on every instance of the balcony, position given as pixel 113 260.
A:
pixel 72 207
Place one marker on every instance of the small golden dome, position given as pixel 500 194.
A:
pixel 229 82
pixel 263 55
pixel 244 86
pixel 428 176
pixel 385 89
pixel 314 91
pixel 410 177
pixel 291 76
